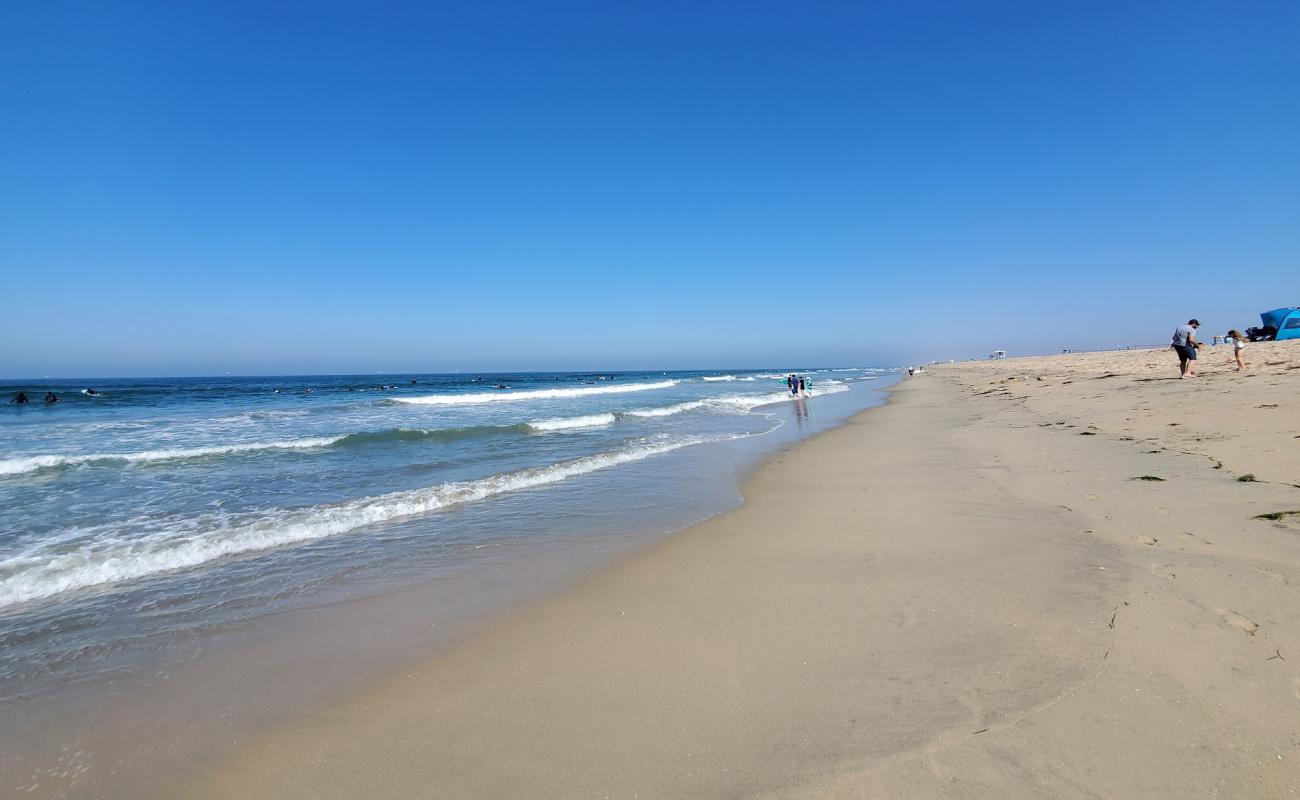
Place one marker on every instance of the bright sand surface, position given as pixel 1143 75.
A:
pixel 967 593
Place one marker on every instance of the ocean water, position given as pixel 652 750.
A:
pixel 134 521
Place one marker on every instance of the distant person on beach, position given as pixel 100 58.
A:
pixel 1238 347
pixel 803 385
pixel 19 399
pixel 1185 344
pixel 50 397
pixel 807 385
pixel 911 371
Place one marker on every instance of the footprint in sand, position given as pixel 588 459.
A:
pixel 1239 622
pixel 1164 571
pixel 1147 540
pixel 1274 574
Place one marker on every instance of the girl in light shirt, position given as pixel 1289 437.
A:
pixel 1238 346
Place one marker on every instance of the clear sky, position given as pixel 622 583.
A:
pixel 197 188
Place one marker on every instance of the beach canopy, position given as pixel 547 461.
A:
pixel 1286 321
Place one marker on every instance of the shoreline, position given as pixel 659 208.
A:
pixel 144 729
pixel 950 595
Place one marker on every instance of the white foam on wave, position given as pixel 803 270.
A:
pixel 665 411
pixel 719 377
pixel 23 464
pixel 114 559
pixel 752 401
pixel 570 423
pixel 743 402
pixel 746 402
pixel 535 394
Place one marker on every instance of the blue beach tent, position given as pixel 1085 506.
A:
pixel 1286 321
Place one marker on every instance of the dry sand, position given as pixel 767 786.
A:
pixel 962 594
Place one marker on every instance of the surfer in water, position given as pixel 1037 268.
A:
pixel 51 398
pixel 90 392
pixel 19 399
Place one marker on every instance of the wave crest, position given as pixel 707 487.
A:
pixel 34 576
pixel 22 464
pixel 569 423
pixel 534 394
pixel 665 411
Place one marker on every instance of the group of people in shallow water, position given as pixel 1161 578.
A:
pixel 799 385
pixel 21 399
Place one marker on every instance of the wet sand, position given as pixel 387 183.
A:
pixel 979 590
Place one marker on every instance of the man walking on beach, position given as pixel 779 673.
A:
pixel 1185 343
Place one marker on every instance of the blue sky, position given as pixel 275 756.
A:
pixel 198 188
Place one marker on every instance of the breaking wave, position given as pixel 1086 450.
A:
pixel 535 394
pixel 665 411
pixel 36 463
pixel 113 559
pixel 22 464
pixel 569 423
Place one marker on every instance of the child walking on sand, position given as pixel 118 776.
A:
pixel 1238 346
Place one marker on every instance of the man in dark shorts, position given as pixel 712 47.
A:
pixel 1185 343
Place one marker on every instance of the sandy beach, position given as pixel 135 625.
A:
pixel 1032 578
